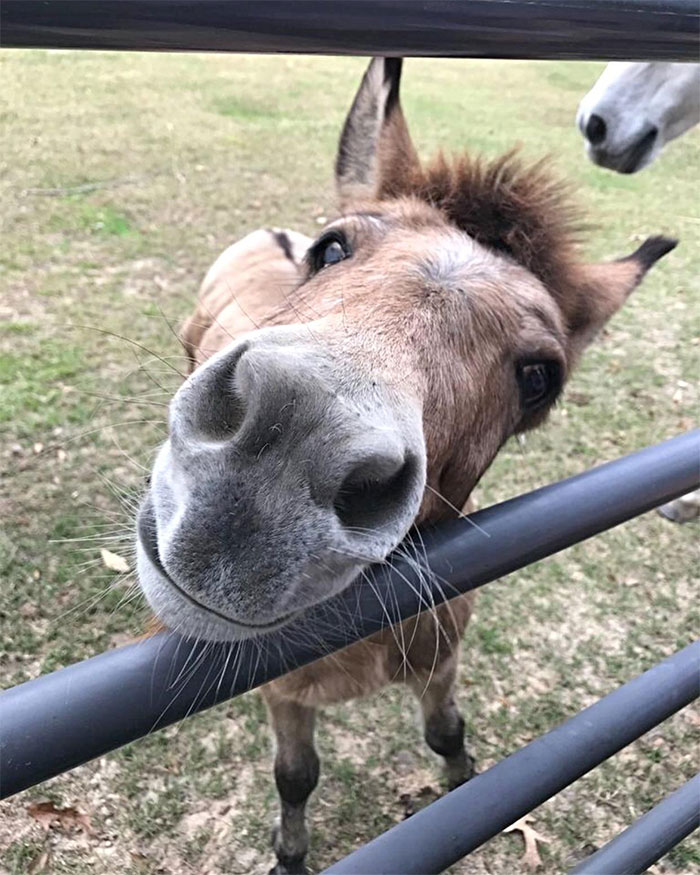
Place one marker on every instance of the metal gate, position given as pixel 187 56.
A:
pixel 61 720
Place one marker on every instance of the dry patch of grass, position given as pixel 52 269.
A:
pixel 122 178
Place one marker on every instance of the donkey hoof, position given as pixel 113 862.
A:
pixel 289 867
pixel 460 772
pixel 287 864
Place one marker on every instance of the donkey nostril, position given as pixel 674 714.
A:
pixel 375 493
pixel 210 405
pixel 596 130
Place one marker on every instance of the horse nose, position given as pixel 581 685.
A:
pixel 595 130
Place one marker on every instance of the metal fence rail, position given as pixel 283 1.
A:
pixel 664 30
pixel 464 819
pixel 650 837
pixel 58 721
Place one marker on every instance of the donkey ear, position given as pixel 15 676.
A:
pixel 604 288
pixel 375 153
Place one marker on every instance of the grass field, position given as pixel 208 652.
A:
pixel 122 177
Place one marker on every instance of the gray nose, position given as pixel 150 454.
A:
pixel 596 130
pixel 289 417
pixel 374 489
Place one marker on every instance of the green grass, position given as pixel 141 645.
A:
pixel 183 155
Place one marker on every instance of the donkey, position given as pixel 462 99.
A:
pixel 633 110
pixel 440 314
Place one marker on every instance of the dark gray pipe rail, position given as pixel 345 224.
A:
pixel 464 819
pixel 650 837
pixel 664 30
pixel 61 720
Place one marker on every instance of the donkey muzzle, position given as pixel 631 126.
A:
pixel 286 473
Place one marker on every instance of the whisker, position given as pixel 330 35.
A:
pixel 126 340
pixel 122 399
pixel 461 515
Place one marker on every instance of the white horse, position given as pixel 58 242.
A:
pixel 633 110
pixel 628 116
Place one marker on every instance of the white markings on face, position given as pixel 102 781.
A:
pixel 378 222
pixel 447 263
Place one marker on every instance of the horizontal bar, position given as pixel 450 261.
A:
pixel 573 29
pixel 447 830
pixel 650 837
pixel 58 721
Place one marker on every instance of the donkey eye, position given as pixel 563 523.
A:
pixel 329 250
pixel 538 382
pixel 333 253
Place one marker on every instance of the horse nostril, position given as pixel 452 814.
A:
pixel 375 493
pixel 596 130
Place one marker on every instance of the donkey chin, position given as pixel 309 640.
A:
pixel 285 475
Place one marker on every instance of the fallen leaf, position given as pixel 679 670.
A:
pixel 580 399
pixel 692 718
pixel 39 863
pixel 46 815
pixel 531 857
pixel 114 562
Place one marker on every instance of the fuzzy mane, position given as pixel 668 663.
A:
pixel 519 210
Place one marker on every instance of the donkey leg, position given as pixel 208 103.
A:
pixel 442 722
pixel 296 775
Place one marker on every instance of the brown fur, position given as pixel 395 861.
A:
pixel 232 289
pixel 519 210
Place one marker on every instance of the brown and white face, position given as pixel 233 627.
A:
pixel 446 309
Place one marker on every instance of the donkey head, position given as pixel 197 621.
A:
pixel 446 307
